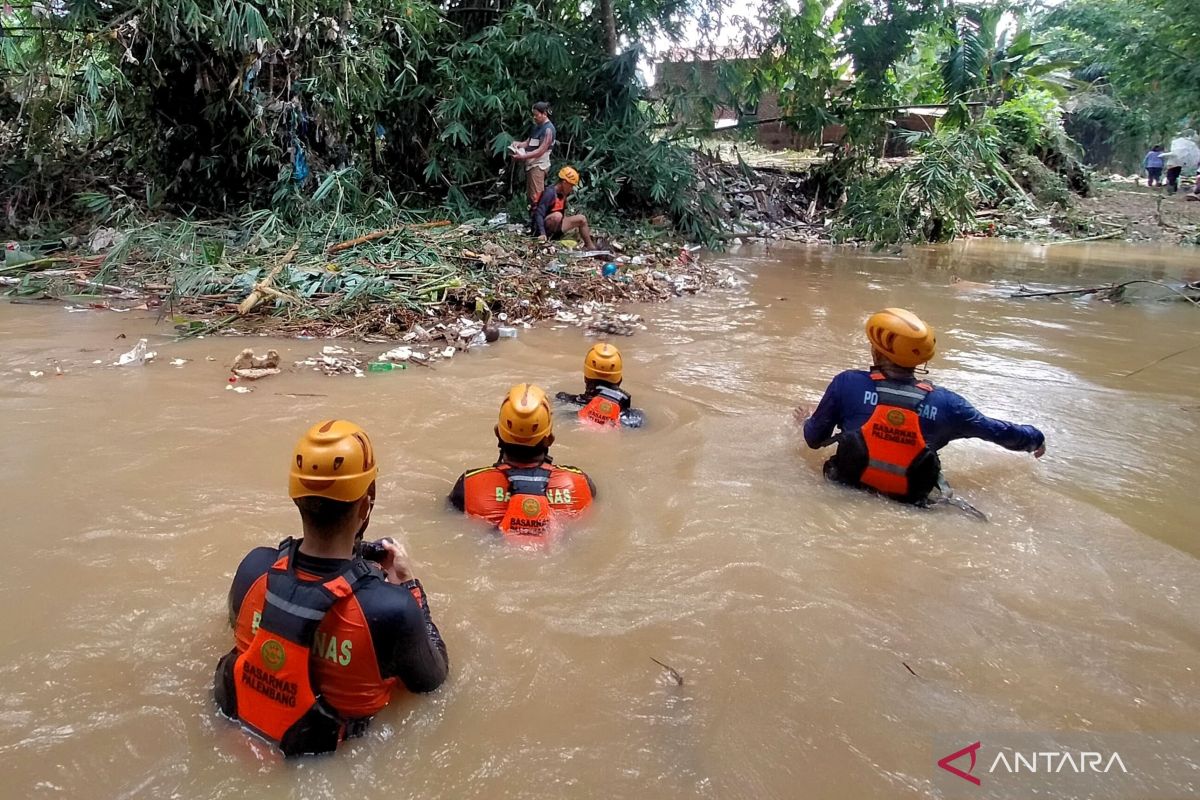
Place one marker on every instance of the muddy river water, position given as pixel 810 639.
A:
pixel 826 638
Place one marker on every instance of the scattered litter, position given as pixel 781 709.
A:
pixel 104 238
pixel 252 367
pixel 98 361
pixel 238 389
pixel 384 366
pixel 618 325
pixel 335 360
pixel 397 354
pixel 178 362
pixel 505 332
pixel 33 373
pixel 138 355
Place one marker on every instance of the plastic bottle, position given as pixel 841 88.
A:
pixel 506 333
pixel 384 366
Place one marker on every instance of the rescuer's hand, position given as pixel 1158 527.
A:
pixel 396 564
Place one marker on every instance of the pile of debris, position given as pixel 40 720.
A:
pixel 771 202
pixel 436 286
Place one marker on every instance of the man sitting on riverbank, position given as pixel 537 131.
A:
pixel 892 425
pixel 603 401
pixel 550 217
pixel 524 493
pixel 322 636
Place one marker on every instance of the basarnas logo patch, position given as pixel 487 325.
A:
pixel 273 654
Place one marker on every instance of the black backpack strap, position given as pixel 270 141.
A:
pixel 294 608
pixel 528 480
pixel 908 396
pixel 618 396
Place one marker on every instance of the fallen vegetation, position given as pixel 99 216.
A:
pixel 258 274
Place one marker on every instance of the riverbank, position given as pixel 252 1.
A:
pixel 376 281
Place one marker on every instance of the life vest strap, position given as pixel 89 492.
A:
pixel 294 608
pixel 614 394
pixel 528 480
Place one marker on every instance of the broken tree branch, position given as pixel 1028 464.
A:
pixel 263 288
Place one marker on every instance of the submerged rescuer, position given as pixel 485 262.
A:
pixel 892 425
pixel 550 216
pixel 322 635
pixel 524 491
pixel 603 401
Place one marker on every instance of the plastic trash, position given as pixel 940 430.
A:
pixel 609 270
pixel 140 354
pixel 238 389
pixel 498 220
pixel 449 352
pixel 397 354
pixel 178 362
pixel 506 332
pixel 384 366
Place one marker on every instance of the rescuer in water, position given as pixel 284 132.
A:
pixel 324 636
pixel 891 425
pixel 524 492
pixel 603 401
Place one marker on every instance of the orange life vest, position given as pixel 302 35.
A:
pixel 528 512
pixel 487 492
pixel 605 407
pixel 888 453
pixel 268 686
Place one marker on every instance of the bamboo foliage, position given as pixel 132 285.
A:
pixel 320 105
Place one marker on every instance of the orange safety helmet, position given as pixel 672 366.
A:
pixel 570 175
pixel 603 363
pixel 334 459
pixel 525 417
pixel 901 336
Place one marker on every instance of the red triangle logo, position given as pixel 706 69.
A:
pixel 966 776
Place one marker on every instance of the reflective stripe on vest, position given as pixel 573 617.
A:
pixel 528 512
pixel 605 407
pixel 893 435
pixel 272 678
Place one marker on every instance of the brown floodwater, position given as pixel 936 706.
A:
pixel 790 606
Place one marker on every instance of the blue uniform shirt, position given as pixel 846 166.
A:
pixel 945 416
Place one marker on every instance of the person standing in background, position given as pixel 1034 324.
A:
pixel 535 151
pixel 1153 164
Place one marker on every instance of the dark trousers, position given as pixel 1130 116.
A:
pixel 1173 179
pixel 1154 176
